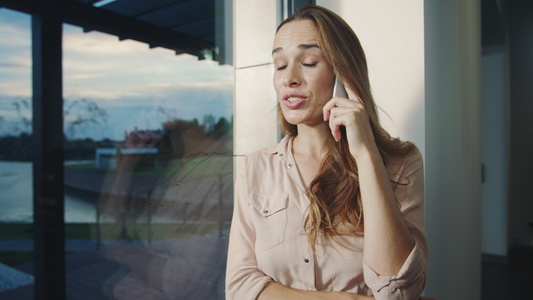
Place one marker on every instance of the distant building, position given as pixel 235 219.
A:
pixel 138 151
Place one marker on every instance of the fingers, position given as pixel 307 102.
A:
pixel 341 111
pixel 341 103
pixel 339 119
pixel 345 116
pixel 334 125
pixel 344 112
pixel 329 106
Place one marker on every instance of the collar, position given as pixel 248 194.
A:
pixel 283 151
pixel 283 147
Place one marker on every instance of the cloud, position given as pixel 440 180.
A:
pixel 16 35
pixel 16 88
pixel 15 54
pixel 98 65
pixel 136 85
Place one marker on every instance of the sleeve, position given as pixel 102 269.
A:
pixel 410 280
pixel 243 279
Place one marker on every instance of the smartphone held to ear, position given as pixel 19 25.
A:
pixel 338 88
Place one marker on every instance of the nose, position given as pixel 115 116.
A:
pixel 292 77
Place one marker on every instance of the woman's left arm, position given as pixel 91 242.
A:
pixel 388 240
pixel 409 281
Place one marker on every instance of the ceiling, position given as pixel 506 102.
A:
pixel 185 26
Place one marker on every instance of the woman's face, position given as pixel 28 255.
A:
pixel 303 80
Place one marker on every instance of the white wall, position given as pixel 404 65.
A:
pixel 494 151
pixel 255 114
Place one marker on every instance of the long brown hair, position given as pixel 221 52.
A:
pixel 335 199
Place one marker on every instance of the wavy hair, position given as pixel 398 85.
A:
pixel 335 199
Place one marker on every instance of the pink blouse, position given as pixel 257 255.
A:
pixel 267 242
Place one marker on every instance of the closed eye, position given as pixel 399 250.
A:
pixel 310 65
pixel 281 68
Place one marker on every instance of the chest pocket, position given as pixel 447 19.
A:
pixel 271 223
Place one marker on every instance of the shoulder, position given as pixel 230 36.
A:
pixel 259 158
pixel 405 165
pixel 262 153
pixel 265 157
pixel 407 176
pixel 261 169
pixel 413 159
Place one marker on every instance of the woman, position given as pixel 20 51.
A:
pixel 335 210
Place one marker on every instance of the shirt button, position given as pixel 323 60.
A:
pixel 306 260
pixel 289 166
pixel 281 155
pixel 265 211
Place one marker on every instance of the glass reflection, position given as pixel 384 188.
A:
pixel 16 183
pixel 148 169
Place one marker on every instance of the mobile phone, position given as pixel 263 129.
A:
pixel 338 88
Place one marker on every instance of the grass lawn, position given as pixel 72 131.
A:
pixel 206 165
pixel 108 231
pixel 187 168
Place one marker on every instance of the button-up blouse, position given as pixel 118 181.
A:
pixel 268 242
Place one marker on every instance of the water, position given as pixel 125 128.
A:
pixel 16 197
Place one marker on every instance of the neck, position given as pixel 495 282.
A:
pixel 310 141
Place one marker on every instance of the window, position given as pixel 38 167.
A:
pixel 148 168
pixel 146 150
pixel 16 182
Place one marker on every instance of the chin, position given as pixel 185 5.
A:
pixel 293 120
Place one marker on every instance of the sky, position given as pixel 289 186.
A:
pixel 136 86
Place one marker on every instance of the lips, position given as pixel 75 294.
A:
pixel 293 101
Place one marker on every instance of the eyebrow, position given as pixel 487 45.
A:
pixel 301 47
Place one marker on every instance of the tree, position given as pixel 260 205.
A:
pixel 80 113
pixel 22 106
pixel 222 128
pixel 209 122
